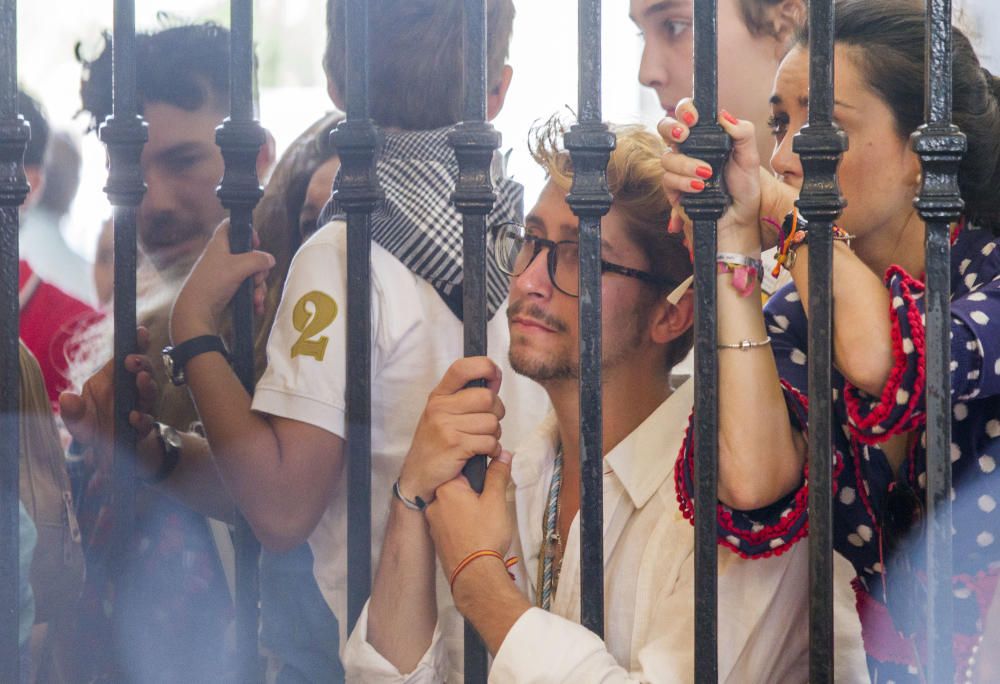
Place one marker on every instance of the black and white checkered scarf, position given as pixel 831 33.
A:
pixel 417 223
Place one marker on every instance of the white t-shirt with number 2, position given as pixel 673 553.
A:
pixel 415 338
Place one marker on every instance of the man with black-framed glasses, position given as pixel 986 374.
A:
pixel 530 624
pixel 515 249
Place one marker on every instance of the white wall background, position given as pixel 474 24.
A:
pixel 543 55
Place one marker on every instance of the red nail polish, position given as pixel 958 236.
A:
pixel 730 118
pixel 698 185
pixel 677 132
pixel 688 118
pixel 703 172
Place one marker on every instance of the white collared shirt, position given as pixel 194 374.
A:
pixel 649 586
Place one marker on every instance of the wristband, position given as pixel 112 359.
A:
pixel 484 553
pixel 176 358
pixel 745 270
pixel 794 232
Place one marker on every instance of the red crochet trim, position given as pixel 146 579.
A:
pixel 861 426
pixel 800 505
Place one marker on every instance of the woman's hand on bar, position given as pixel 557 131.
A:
pixel 212 284
pixel 754 191
pixel 458 423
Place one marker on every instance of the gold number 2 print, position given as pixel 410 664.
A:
pixel 313 313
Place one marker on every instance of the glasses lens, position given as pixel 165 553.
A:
pixel 510 249
pixel 567 275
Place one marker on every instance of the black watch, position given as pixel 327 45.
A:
pixel 176 358
pixel 170 442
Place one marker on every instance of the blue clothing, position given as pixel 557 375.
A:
pixel 891 586
pixel 297 626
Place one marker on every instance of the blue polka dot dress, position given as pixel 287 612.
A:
pixel 869 498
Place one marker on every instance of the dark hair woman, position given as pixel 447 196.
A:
pixel 878 337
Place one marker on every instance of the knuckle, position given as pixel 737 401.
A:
pixel 482 399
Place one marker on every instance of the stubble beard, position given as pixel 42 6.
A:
pixel 564 365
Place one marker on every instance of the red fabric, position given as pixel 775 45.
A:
pixel 783 529
pixel 48 322
pixel 886 412
pixel 883 642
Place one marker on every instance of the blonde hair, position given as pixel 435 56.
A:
pixel 417 58
pixel 635 181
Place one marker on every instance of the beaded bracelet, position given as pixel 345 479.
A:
pixel 746 345
pixel 483 553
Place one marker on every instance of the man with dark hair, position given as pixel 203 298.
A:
pixel 179 617
pixel 182 76
pixel 49 316
pixel 282 455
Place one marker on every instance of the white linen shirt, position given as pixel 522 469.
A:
pixel 415 338
pixel 649 586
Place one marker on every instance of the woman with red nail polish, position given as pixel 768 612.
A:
pixel 754 35
pixel 878 398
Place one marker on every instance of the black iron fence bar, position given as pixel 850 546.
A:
pixel 590 143
pixel 475 141
pixel 356 141
pixel 707 141
pixel 240 138
pixel 14 134
pixel 820 145
pixel 940 146
pixel 124 134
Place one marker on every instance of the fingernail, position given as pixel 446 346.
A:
pixel 730 118
pixel 698 185
pixel 677 132
pixel 703 172
pixel 688 118
pixel 505 457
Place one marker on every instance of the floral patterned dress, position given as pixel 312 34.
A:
pixel 891 577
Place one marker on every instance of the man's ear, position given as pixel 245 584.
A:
pixel 785 18
pixel 498 94
pixel 266 156
pixel 670 321
pixel 36 179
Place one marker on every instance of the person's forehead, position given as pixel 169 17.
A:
pixel 169 125
pixel 642 10
pixel 791 88
pixel 552 217
pixel 791 85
